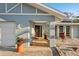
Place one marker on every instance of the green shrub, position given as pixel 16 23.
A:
pixel 17 39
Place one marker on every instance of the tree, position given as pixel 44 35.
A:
pixel 69 15
pixel 76 20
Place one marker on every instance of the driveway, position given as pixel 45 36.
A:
pixel 67 47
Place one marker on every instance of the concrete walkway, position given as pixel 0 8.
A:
pixel 39 51
pixel 8 51
pixel 30 51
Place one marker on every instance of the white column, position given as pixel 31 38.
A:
pixel 72 32
pixel 28 35
pixel 57 31
pixel 6 7
pixel 64 28
pixel 36 11
pixel 52 34
pixel 21 7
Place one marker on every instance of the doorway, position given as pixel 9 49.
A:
pixel 38 30
pixel 60 30
pixel 68 31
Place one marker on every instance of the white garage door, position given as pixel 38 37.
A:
pixel 76 31
pixel 7 33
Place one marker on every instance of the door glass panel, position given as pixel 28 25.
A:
pixel 60 28
pixel 38 30
pixel 67 30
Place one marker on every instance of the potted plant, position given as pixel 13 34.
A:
pixel 45 35
pixel 17 40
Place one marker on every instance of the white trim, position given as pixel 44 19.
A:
pixel 64 28
pixel 22 14
pixel 51 9
pixel 13 7
pixel 21 8
pixel 72 32
pixel 57 31
pixel 40 22
pixel 6 8
pixel 36 11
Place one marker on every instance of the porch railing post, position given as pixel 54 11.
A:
pixel 58 31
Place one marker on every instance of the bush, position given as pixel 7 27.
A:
pixel 17 39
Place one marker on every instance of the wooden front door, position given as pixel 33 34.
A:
pixel 38 30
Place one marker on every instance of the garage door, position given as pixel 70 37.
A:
pixel 76 31
pixel 7 34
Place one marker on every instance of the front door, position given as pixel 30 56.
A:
pixel 68 31
pixel 38 30
pixel 60 29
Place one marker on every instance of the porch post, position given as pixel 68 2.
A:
pixel 28 34
pixel 52 34
pixel 64 28
pixel 72 32
pixel 57 31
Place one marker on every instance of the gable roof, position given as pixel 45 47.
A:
pixel 48 10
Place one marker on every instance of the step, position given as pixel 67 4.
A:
pixel 36 44
pixel 39 43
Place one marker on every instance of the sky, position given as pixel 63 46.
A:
pixel 66 7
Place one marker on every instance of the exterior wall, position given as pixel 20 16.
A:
pixel 75 31
pixel 25 8
pixel 45 28
pixel 52 34
pixel 10 5
pixel 28 9
pixel 15 10
pixel 2 7
pixel 23 21
pixel 71 31
pixel 39 11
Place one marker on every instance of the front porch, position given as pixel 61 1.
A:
pixel 65 29
pixel 40 33
pixel 70 30
pixel 39 28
